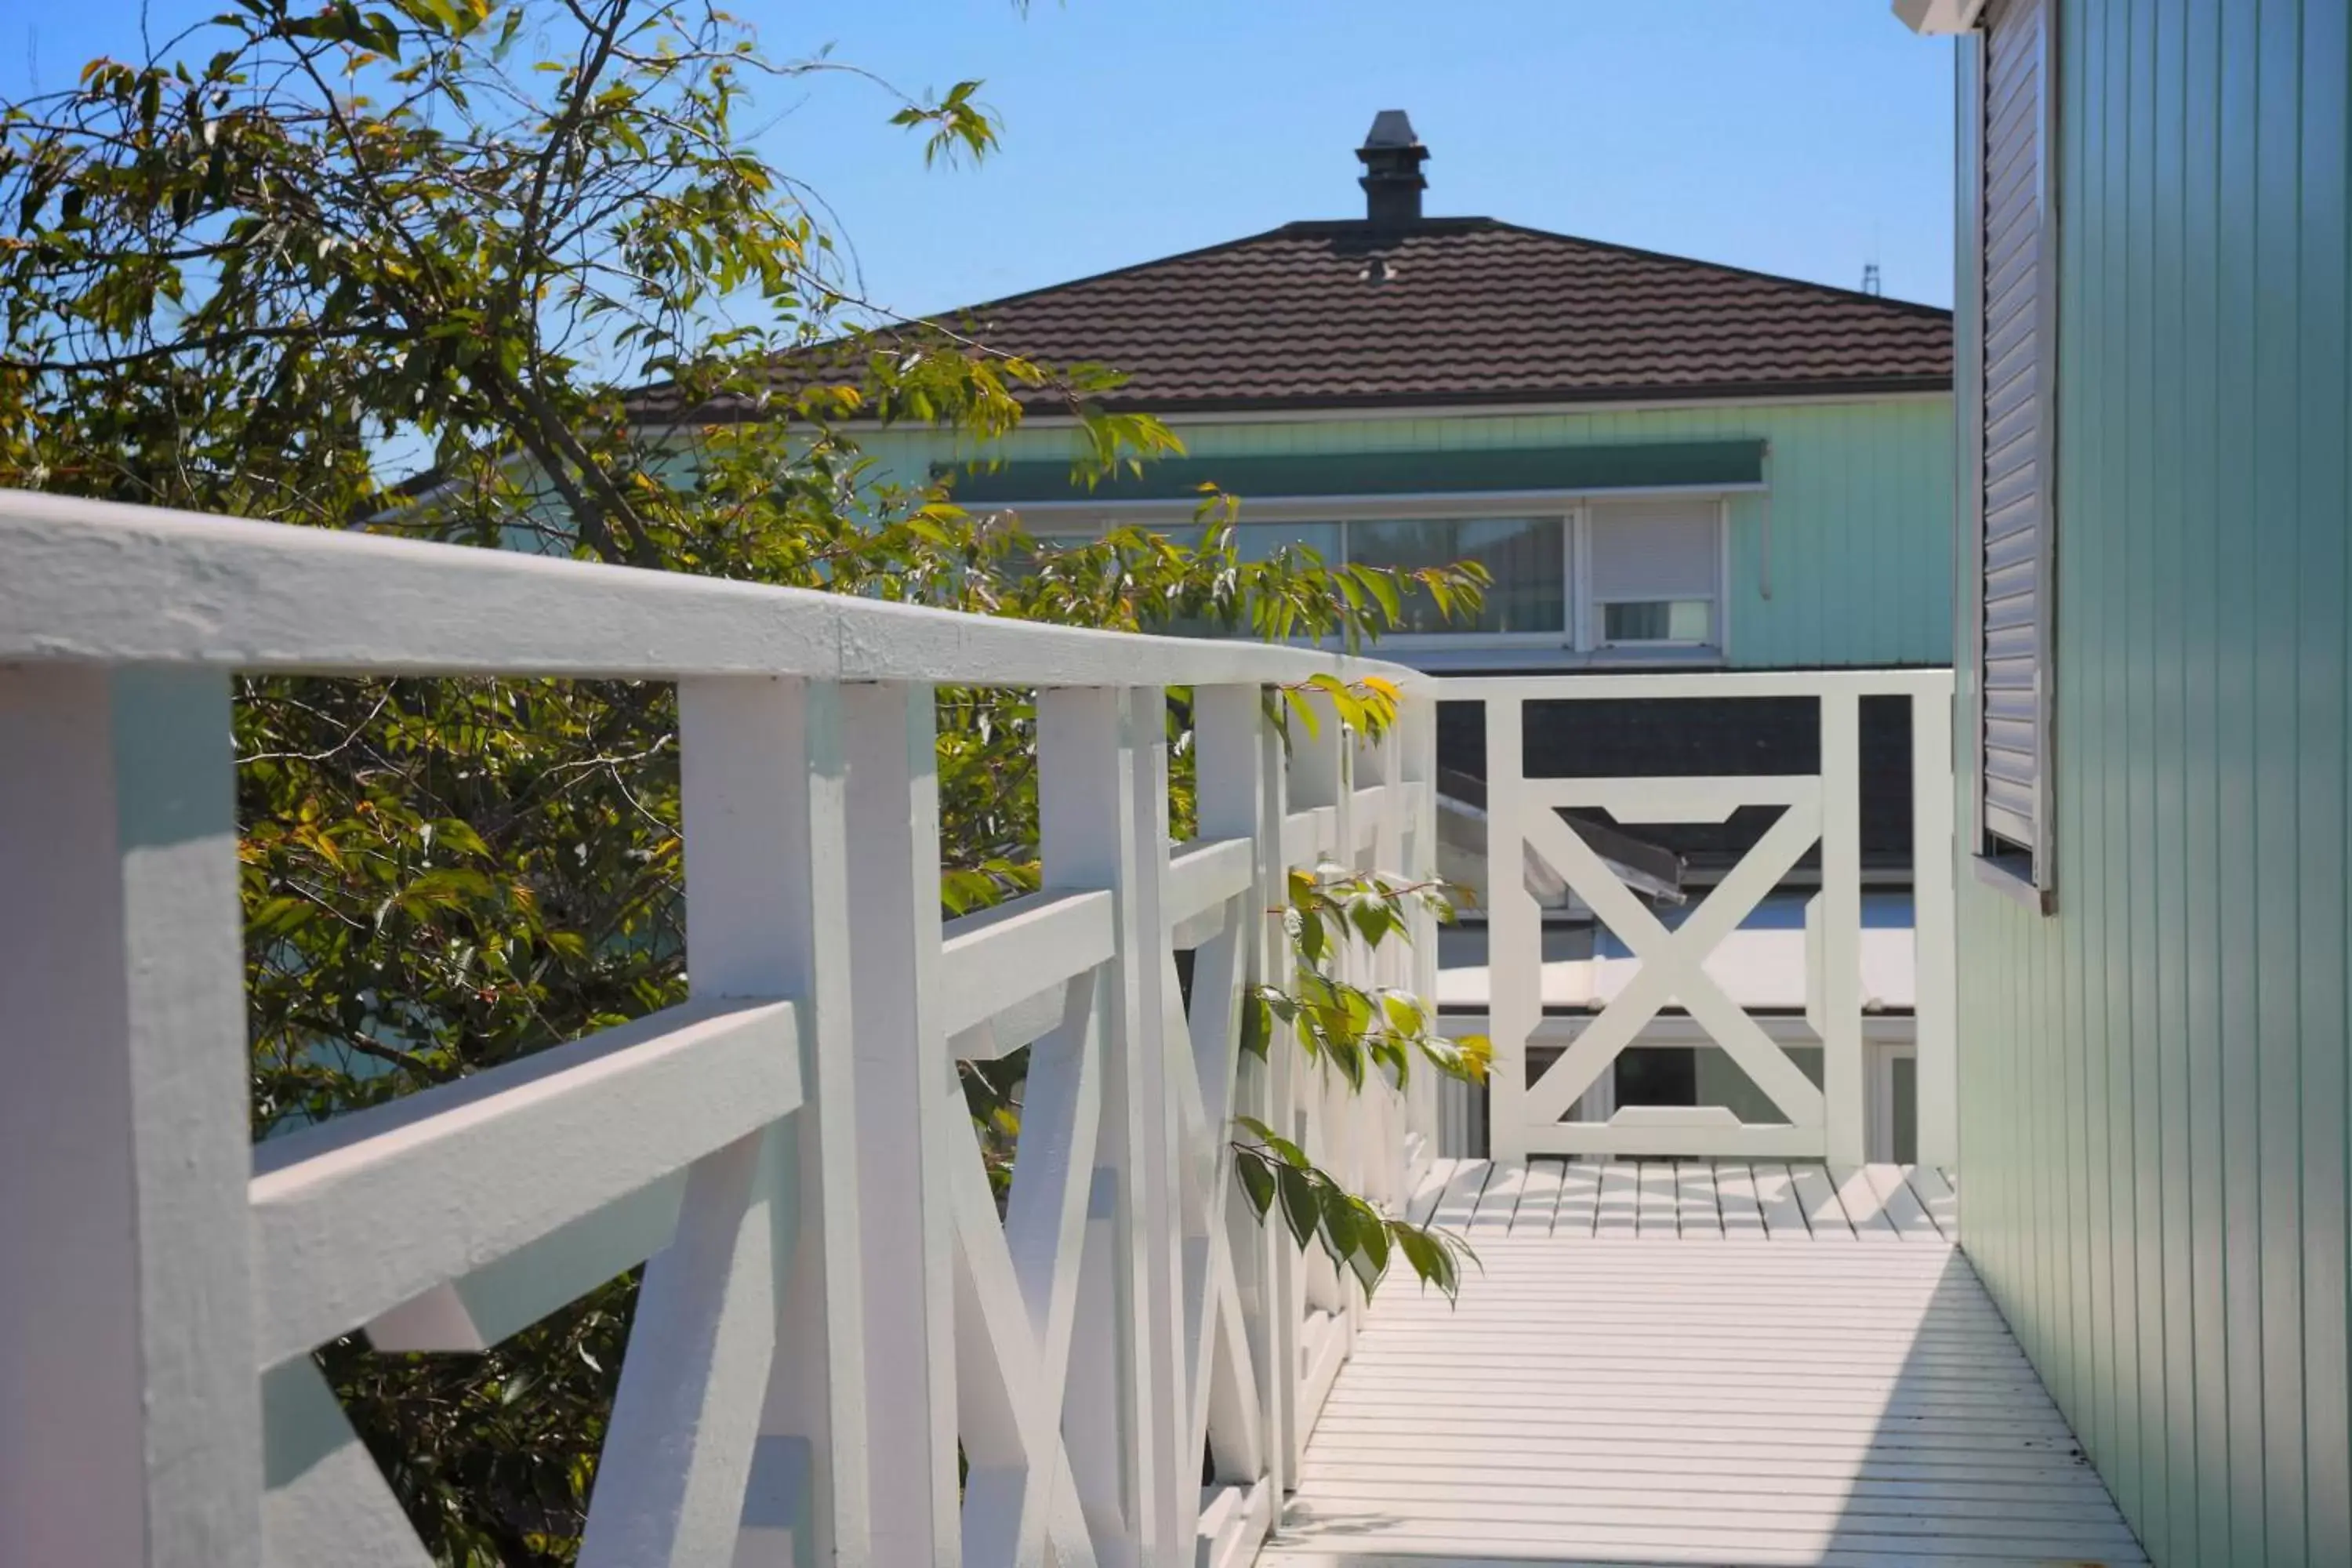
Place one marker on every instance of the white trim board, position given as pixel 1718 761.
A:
pixel 1384 414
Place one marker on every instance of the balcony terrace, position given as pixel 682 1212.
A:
pixel 1698 1334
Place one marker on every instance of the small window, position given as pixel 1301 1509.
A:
pixel 1656 573
pixel 1658 620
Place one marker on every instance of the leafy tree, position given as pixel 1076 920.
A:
pixel 525 244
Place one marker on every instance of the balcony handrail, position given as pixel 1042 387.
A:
pixel 103 582
pixel 1596 685
pixel 833 1309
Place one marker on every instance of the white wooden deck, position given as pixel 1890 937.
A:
pixel 1600 1396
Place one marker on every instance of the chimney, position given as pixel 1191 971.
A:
pixel 1392 181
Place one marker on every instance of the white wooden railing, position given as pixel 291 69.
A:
pixel 1823 807
pixel 831 1303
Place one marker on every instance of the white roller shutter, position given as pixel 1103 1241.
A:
pixel 1657 550
pixel 2019 271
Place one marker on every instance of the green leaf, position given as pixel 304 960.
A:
pixel 1299 1209
pixel 1340 1224
pixel 1427 1257
pixel 1257 1182
pixel 1403 1012
pixel 1257 1026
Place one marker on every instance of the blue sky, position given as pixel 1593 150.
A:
pixel 1805 137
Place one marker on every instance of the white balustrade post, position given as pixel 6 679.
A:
pixel 1935 999
pixel 1274 1325
pixel 767 887
pixel 1417 764
pixel 1229 733
pixel 910 1117
pixel 130 1404
pixel 1844 1082
pixel 1102 811
pixel 1378 1113
pixel 1321 783
pixel 1514 933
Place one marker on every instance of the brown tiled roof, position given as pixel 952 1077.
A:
pixel 1458 310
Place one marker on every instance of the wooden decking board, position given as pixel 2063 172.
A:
pixel 1819 1199
pixel 1538 1198
pixel 1903 1208
pixel 1671 1489
pixel 1696 1208
pixel 1865 1210
pixel 1580 1199
pixel 1659 1201
pixel 1730 1367
pixel 1776 1195
pixel 1423 1202
pixel 1766 1513
pixel 1743 1217
pixel 1697 1558
pixel 1458 1203
pixel 1938 1196
pixel 1790 1477
pixel 1498 1201
pixel 1599 1397
pixel 2017 1476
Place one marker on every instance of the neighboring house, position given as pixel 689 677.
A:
pixel 2155 419
pixel 1664 463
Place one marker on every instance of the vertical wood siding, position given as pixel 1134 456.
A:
pixel 1860 507
pixel 2153 1080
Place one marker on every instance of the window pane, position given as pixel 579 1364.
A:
pixel 1259 540
pixel 1658 620
pixel 1523 554
pixel 1655 550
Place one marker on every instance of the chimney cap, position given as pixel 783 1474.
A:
pixel 1391 128
pixel 1392 181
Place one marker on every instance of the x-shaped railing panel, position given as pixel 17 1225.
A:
pixel 1673 961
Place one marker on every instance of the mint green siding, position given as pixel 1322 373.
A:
pixel 2153 1079
pixel 1860 507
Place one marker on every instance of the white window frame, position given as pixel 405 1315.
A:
pixel 1580 637
pixel 1591 610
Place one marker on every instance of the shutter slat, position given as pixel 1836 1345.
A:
pixel 2010 293
pixel 2020 421
pixel 2010 161
pixel 2010 702
pixel 2015 610
pixel 2009 642
pixel 2011 497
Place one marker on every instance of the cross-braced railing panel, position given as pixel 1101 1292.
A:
pixel 1676 963
pixel 838 1308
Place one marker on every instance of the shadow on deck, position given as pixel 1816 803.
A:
pixel 1688 1397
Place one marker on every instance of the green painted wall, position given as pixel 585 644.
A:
pixel 2154 1085
pixel 1860 515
